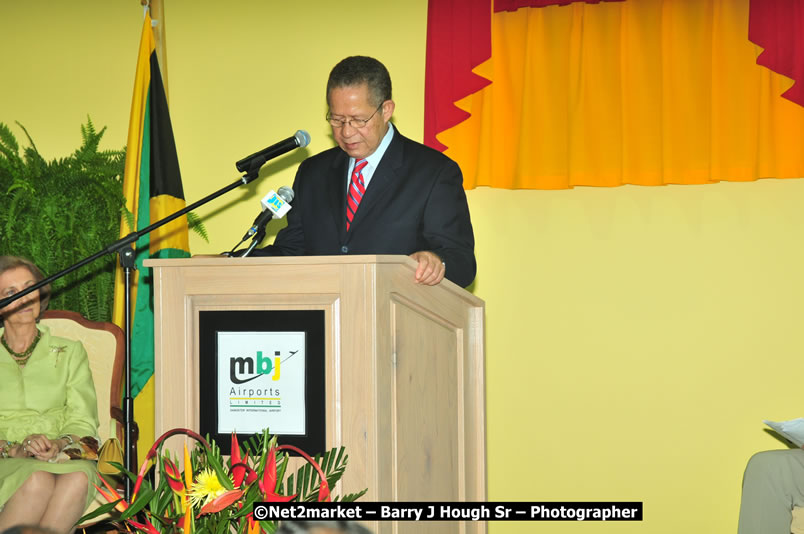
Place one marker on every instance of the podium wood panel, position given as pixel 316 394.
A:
pixel 404 366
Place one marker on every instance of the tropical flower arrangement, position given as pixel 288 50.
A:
pixel 215 495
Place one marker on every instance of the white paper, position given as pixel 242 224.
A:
pixel 792 430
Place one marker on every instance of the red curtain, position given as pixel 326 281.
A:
pixel 513 5
pixel 778 27
pixel 458 40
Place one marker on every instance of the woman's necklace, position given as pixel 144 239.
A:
pixel 22 357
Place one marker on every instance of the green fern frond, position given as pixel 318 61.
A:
pixel 28 136
pixel 196 224
pixel 351 497
pixel 87 130
pixel 129 216
pixel 89 182
pixel 8 144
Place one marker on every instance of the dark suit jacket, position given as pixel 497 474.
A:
pixel 415 201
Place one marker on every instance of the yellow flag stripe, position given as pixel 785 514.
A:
pixel 131 178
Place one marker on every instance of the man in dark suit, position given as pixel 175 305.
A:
pixel 378 192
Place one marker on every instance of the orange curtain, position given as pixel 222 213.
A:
pixel 645 92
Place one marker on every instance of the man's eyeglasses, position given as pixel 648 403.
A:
pixel 354 123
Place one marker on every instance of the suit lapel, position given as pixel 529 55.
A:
pixel 383 178
pixel 336 193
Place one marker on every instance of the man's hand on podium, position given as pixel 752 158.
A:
pixel 430 270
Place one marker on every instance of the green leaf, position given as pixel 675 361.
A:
pixel 100 510
pixel 215 462
pixel 144 497
pixel 353 496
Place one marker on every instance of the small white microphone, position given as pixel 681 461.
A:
pixel 275 205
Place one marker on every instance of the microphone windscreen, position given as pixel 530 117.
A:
pixel 303 138
pixel 286 193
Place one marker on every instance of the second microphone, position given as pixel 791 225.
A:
pixel 275 205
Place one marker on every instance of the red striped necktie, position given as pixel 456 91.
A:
pixel 356 191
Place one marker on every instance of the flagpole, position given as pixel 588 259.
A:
pixel 155 9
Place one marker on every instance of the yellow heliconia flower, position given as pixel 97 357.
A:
pixel 188 467
pixel 188 479
pixel 206 488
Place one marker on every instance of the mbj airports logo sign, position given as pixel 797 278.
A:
pixel 261 382
pixel 242 370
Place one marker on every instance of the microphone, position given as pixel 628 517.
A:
pixel 252 163
pixel 274 206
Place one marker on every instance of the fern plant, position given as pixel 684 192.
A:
pixel 59 212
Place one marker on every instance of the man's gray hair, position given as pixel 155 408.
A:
pixel 357 70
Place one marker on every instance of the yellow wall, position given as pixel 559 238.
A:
pixel 636 337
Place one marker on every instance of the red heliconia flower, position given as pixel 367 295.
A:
pixel 270 496
pixel 323 489
pixel 240 468
pixel 252 475
pixel 269 476
pixel 111 497
pixel 242 472
pixel 174 478
pixel 268 483
pixel 146 527
pixel 235 452
pixel 253 526
pixel 238 465
pixel 221 502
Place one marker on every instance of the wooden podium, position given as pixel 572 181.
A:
pixel 404 366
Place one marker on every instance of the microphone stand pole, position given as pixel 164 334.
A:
pixel 258 237
pixel 123 247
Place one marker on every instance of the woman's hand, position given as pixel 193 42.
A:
pixel 55 448
pixel 16 451
pixel 40 447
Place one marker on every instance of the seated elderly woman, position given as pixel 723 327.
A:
pixel 47 402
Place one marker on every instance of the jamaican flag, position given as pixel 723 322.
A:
pixel 152 186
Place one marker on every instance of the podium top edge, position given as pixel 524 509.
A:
pixel 223 261
pixel 204 259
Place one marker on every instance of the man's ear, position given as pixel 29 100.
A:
pixel 388 110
